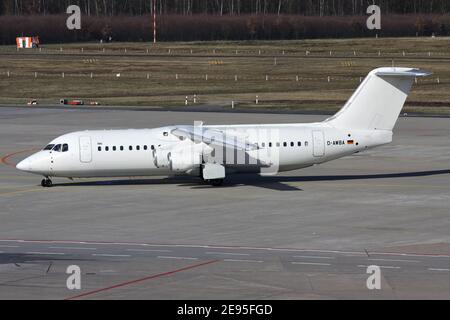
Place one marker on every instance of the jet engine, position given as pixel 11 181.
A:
pixel 179 160
pixel 184 160
pixel 161 158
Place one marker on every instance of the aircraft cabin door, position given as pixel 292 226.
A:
pixel 318 144
pixel 85 149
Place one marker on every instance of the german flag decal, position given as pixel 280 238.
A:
pixel 350 141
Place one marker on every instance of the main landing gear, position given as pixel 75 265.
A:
pixel 47 183
pixel 212 173
pixel 216 182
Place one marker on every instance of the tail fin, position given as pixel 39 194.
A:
pixel 377 102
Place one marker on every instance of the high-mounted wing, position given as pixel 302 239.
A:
pixel 213 137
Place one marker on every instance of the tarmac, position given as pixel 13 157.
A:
pixel 306 234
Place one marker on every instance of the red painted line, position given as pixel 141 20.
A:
pixel 143 279
pixel 5 161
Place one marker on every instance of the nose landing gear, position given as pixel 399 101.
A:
pixel 47 183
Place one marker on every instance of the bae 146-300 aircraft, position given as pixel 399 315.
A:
pixel 214 151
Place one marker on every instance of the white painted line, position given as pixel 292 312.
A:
pixel 438 269
pixel 409 254
pixel 382 267
pixel 395 260
pixel 148 250
pixel 73 248
pixel 110 255
pixel 351 255
pixel 5 246
pixel 312 263
pixel 107 271
pixel 224 247
pixel 310 250
pixel 228 253
pixel 186 246
pixel 180 258
pixel 313 257
pixel 242 260
pixel 45 253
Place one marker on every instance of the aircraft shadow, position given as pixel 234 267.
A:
pixel 29 258
pixel 269 182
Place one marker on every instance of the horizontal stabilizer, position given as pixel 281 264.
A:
pixel 401 72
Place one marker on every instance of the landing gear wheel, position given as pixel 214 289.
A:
pixel 46 183
pixel 216 182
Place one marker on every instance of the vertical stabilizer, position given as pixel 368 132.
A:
pixel 378 101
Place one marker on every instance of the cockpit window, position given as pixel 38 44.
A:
pixel 57 148
pixel 49 147
pixel 65 147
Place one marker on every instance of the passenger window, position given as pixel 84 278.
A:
pixel 306 143
pixel 145 147
pixel 49 147
pixel 65 147
pixel 121 148
pixel 57 148
pixel 270 144
pixel 130 147
pixel 299 144
pixel 284 144
pixel 263 144
pixel 292 144
pixel 278 144
pixel 153 147
pixel 165 134
pixel 138 148
pixel 99 148
pixel 114 148
pixel 106 148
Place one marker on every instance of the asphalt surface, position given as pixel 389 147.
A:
pixel 308 234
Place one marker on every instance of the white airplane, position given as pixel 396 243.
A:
pixel 212 152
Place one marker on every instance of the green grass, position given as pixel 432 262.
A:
pixel 311 92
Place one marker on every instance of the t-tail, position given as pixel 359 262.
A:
pixel 378 101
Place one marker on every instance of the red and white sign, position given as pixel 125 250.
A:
pixel 27 42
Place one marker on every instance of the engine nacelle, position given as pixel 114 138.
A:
pixel 184 160
pixel 180 160
pixel 161 158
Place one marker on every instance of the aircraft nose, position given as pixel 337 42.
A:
pixel 23 165
pixel 36 163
